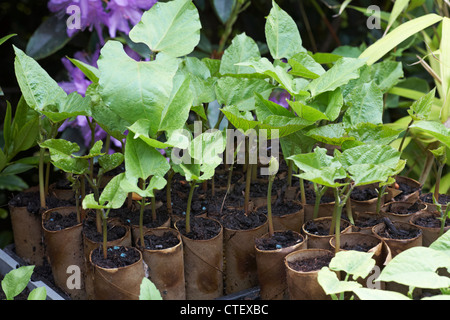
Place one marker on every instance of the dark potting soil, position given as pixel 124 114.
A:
pixel 236 219
pixel 363 247
pixel 56 221
pixel 31 200
pixel 310 196
pixel 406 190
pixel 281 208
pixel 430 222
pixel 159 242
pixel 201 228
pixel 428 198
pixel 116 257
pixel 114 231
pixel 311 264
pixel 161 217
pixel 403 210
pixel 363 194
pixel 279 240
pixel 393 232
pixel 319 229
pixel 367 222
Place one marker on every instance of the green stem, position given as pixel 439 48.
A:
pixel 105 234
pixel 438 181
pixel 141 222
pixel 169 191
pixel 380 198
pixel 337 213
pixel 248 180
pixel 302 192
pixel 41 177
pixel 153 208
pixel 188 209
pixel 269 206
pixel 404 137
pixel 237 9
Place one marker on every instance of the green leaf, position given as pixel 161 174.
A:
pixel 444 59
pixel 307 112
pixel 223 9
pixel 241 91
pixel 334 134
pixel 148 290
pixel 420 109
pixel 113 195
pixel 358 264
pixel 60 148
pixel 176 112
pixel 442 243
pixel 435 129
pixel 372 294
pixel 399 6
pixel 207 147
pixel 16 280
pixel 135 90
pixel 365 103
pixel 5 38
pixel 370 133
pixel 48 38
pixel 201 82
pixel 39 293
pixel 39 90
pixel 71 106
pixel 329 103
pixel 282 35
pixel 387 74
pixel 109 162
pixel 370 154
pixel 330 283
pixel 303 65
pixel 172 27
pixel 241 120
pixel 279 74
pixel 89 71
pixel 12 183
pixel 398 35
pixel 417 267
pixel 143 161
pixel 242 48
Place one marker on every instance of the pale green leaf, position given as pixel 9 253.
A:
pixel 358 264
pixel 242 48
pixel 372 294
pixel 282 35
pixel 398 35
pixel 417 267
pixel 436 129
pixel 148 290
pixel 331 284
pixel 344 70
pixel 39 293
pixel 15 281
pixel 172 27
pixel 365 104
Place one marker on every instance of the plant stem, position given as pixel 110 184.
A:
pixel 237 9
pixel 188 209
pixel 380 197
pixel 169 191
pixel 337 213
pixel 141 221
pixel 105 235
pixel 302 192
pixel 269 205
pixel 41 177
pixel 438 181
pixel 248 180
pixel 404 137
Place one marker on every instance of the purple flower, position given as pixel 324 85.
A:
pixel 280 98
pixel 123 13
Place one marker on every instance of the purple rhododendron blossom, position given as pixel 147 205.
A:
pixel 117 15
pixel 280 98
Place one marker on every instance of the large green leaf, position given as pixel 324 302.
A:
pixel 344 70
pixel 355 263
pixel 135 90
pixel 142 160
pixel 282 35
pixel 242 48
pixel 334 134
pixel 201 81
pixel 240 92
pixel 436 129
pixel 365 104
pixel 172 27
pixel 240 120
pixel 445 67
pixel 387 74
pixel 303 65
pixel 370 133
pixel 417 267
pixel 331 284
pixel 420 109
pixel 39 90
pixel 398 35
pixel 370 154
pixel 373 294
